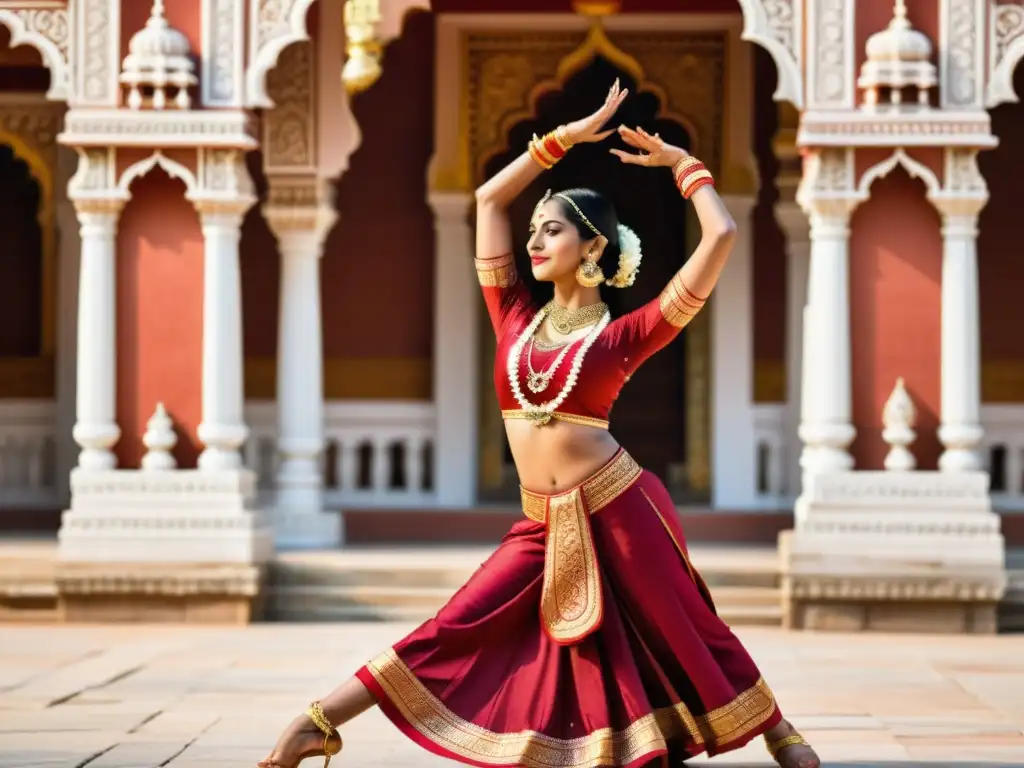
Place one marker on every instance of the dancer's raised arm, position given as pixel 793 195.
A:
pixel 504 294
pixel 654 325
pixel 493 198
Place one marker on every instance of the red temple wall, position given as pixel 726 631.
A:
pixel 159 316
pixel 895 296
pixel 384 240
pixel 378 263
pixel 770 260
pixel 1000 267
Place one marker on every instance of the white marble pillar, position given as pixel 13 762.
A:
pixel 796 227
pixel 828 195
pixel 223 428
pixel 69 254
pixel 734 450
pixel 96 430
pixel 826 427
pixel 456 308
pixel 960 430
pixel 300 520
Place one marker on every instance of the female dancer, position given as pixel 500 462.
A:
pixel 587 638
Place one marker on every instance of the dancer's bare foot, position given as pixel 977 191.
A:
pixel 789 749
pixel 301 739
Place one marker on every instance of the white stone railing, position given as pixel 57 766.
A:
pixel 1003 453
pixel 771 460
pixel 28 456
pixel 378 452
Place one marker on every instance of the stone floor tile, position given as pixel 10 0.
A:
pixel 135 696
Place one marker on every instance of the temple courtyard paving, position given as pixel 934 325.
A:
pixel 147 696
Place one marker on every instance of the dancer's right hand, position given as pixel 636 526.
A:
pixel 588 129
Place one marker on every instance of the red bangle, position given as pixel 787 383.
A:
pixel 697 185
pixel 553 147
pixel 687 173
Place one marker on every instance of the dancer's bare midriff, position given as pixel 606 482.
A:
pixel 559 455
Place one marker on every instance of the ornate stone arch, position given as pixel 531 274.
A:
pixel 172 167
pixel 694 124
pixel 276 24
pixel 916 169
pixel 38 165
pixel 46 30
pixel 1006 49
pixel 273 26
pixel 777 26
pixel 503 73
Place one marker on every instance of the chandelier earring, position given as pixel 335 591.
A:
pixel 588 274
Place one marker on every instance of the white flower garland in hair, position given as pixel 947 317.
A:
pixel 630 257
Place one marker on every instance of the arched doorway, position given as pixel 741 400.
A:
pixel 649 418
pixel 21 268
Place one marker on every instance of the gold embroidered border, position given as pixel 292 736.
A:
pixel 496 273
pixel 678 304
pixel 571 603
pixel 569 418
pixel 600 490
pixel 433 720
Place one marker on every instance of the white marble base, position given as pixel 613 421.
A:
pixel 176 546
pixel 177 516
pixel 894 551
pixel 304 528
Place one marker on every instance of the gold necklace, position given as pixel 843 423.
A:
pixel 568 320
pixel 537 381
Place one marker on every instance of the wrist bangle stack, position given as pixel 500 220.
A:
pixel 551 148
pixel 690 175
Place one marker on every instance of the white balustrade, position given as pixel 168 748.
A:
pixel 770 427
pixel 1002 453
pixel 28 478
pixel 376 453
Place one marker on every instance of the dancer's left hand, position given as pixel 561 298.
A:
pixel 653 151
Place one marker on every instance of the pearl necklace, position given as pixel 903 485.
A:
pixel 540 415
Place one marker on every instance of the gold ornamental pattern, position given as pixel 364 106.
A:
pixel 571 599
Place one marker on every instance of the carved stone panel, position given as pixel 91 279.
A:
pixel 962 54
pixel 223 61
pixel 1006 48
pixel 289 128
pixel 830 55
pixel 96 53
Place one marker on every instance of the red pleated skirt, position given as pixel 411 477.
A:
pixel 649 671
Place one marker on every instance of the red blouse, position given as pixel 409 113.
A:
pixel 616 353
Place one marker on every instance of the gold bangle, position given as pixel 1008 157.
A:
pixel 683 164
pixel 561 134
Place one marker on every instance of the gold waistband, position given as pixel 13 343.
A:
pixel 569 418
pixel 599 490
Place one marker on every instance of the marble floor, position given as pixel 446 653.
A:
pixel 145 696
